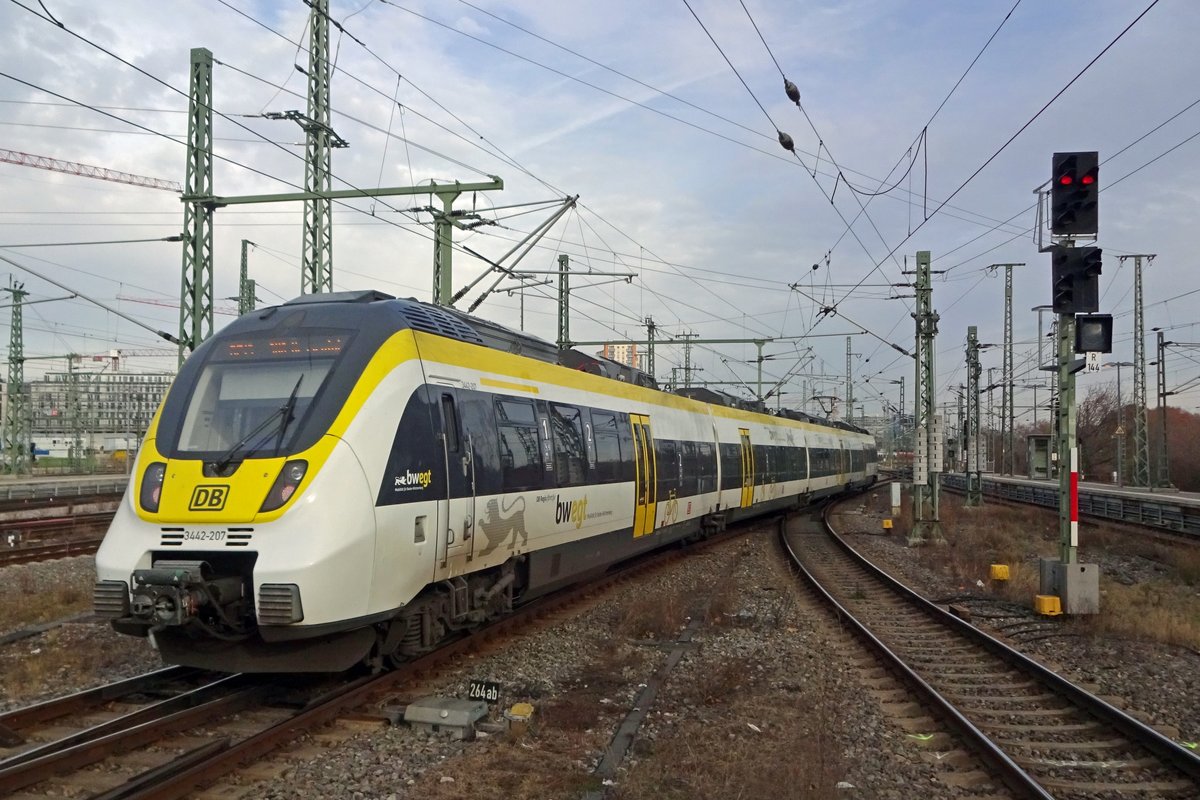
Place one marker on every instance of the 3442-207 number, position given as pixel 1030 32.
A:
pixel 204 536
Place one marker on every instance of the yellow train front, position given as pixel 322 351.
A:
pixel 349 477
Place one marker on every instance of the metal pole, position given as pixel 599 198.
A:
pixel 1009 417
pixel 959 434
pixel 196 290
pixel 1120 431
pixel 928 445
pixel 687 358
pixel 564 295
pixel 17 426
pixel 1141 440
pixel 1164 466
pixel 316 274
pixel 245 285
pixel 991 418
pixel 849 386
pixel 758 391
pixel 974 478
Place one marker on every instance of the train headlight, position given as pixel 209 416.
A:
pixel 152 483
pixel 285 485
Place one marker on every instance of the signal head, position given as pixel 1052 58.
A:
pixel 1075 193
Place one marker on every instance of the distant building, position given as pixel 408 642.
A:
pixel 115 408
pixel 626 353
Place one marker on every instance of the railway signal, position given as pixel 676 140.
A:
pixel 1076 279
pixel 1075 282
pixel 1075 193
pixel 1093 333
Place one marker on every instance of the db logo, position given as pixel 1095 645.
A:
pixel 208 498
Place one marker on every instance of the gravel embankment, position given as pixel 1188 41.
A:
pixel 77 654
pixel 769 697
pixel 766 697
pixel 1151 680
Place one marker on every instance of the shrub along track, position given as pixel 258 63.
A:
pixel 1038 733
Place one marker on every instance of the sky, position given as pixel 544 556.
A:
pixel 921 125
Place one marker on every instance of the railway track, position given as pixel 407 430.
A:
pixel 1041 735
pixel 113 743
pixel 23 541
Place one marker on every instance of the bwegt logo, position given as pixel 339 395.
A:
pixel 574 511
pixel 208 498
pixel 410 478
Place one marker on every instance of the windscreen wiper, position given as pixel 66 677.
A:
pixel 287 411
pixel 283 413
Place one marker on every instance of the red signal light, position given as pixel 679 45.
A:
pixel 1066 180
pixel 1087 180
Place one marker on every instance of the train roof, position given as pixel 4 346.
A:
pixel 459 325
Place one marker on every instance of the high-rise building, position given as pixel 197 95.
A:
pixel 625 352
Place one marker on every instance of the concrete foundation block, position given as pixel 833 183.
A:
pixel 1078 585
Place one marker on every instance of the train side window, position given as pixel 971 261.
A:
pixel 517 430
pixel 625 437
pixel 608 447
pixel 570 455
pixel 731 466
pixel 450 423
pixel 516 411
pixel 666 456
pixel 706 467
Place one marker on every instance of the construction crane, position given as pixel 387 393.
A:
pixel 115 357
pixel 100 173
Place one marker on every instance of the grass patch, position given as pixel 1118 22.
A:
pixel 658 618
pixel 579 708
pixel 723 603
pixel 71 655
pixel 30 596
pixel 790 754
pixel 1165 609
pixel 541 764
pixel 1160 611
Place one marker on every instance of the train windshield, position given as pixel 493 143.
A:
pixel 254 393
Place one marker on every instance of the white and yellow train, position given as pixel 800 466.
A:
pixel 350 477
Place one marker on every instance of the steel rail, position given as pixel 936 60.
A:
pixel 1168 751
pixel 89 751
pixel 1010 772
pixel 57 707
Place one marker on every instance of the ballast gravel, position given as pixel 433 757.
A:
pixel 768 693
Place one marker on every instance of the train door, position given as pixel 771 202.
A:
pixel 645 477
pixel 459 539
pixel 747 468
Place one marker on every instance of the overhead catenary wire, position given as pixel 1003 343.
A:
pixel 595 253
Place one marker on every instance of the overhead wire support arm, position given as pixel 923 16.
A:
pixel 528 243
pixel 341 194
